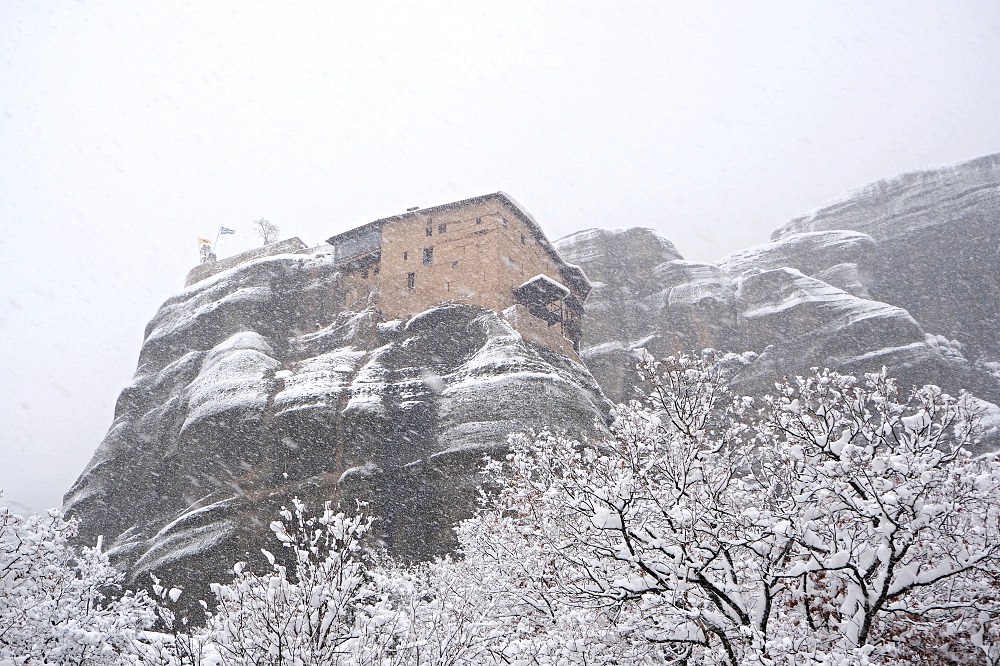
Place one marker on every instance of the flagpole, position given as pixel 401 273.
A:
pixel 219 233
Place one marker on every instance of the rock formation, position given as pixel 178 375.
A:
pixel 903 274
pixel 254 386
pixel 937 236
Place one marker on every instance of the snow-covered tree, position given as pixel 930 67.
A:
pixel 833 522
pixel 441 612
pixel 313 613
pixel 329 600
pixel 894 527
pixel 60 606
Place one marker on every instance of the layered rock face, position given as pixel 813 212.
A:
pixel 937 237
pixel 904 274
pixel 639 282
pixel 253 387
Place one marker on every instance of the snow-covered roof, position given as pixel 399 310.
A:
pixel 542 286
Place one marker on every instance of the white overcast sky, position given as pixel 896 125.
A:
pixel 127 129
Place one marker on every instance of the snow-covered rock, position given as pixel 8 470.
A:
pixel 640 282
pixel 253 387
pixel 899 206
pixel 780 305
pixel 796 322
pixel 809 252
pixel 937 254
pixel 881 278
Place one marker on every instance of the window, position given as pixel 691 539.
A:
pixel 406 255
pixel 428 256
pixel 479 220
pixel 523 240
pixel 411 280
pixel 442 228
pixel 429 230
pixel 454 264
pixel 364 273
pixel 376 271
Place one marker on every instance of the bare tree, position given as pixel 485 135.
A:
pixel 268 231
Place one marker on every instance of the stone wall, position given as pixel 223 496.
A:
pixel 462 247
pixel 202 271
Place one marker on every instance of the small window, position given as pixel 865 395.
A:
pixel 364 273
pixel 411 280
pixel 406 255
pixel 442 228
pixel 524 240
pixel 479 220
pixel 454 264
pixel 428 256
pixel 503 222
pixel 376 271
pixel 429 230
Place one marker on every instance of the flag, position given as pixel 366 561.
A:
pixel 203 241
pixel 225 230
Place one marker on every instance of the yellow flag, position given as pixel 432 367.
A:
pixel 203 241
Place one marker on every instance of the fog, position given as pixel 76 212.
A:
pixel 129 130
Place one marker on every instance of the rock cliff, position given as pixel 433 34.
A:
pixel 253 387
pixel 937 236
pixel 902 274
